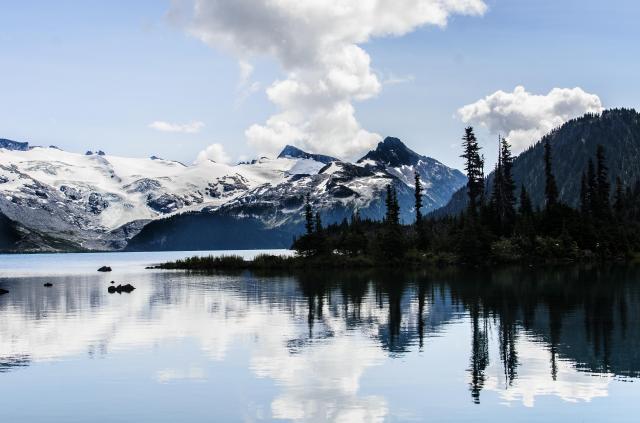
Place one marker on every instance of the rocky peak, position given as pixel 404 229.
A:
pixel 13 145
pixel 392 152
pixel 290 151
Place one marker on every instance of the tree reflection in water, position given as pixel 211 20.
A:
pixel 584 317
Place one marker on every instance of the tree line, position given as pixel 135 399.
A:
pixel 500 223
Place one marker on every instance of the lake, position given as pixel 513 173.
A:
pixel 514 344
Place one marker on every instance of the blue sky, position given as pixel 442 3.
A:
pixel 96 74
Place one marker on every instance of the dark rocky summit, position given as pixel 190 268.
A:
pixel 13 145
pixel 294 152
pixel 104 269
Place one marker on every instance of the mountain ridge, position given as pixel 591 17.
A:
pixel 573 144
pixel 101 201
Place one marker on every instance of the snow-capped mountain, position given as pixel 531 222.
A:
pixel 269 215
pixel 57 200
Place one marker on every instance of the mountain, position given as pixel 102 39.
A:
pixel 53 200
pixel 573 144
pixel 337 190
pixel 13 145
pixel 99 201
pixel 291 152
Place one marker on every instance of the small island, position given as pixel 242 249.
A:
pixel 499 225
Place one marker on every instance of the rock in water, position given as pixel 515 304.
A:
pixel 104 269
pixel 3 291
pixel 48 285
pixel 128 288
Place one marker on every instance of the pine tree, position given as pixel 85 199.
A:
pixel 395 207
pixel 551 189
pixel 388 199
pixel 319 240
pixel 503 197
pixel 392 245
pixel 497 196
pixel 584 195
pixel 418 197
pixel 509 185
pixel 474 166
pixel 308 215
pixel 318 223
pixel 526 207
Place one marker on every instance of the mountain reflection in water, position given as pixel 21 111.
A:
pixel 333 343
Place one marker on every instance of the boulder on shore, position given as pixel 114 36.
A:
pixel 104 269
pixel 128 288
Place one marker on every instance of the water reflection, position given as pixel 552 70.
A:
pixel 526 333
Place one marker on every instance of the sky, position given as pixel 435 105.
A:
pixel 212 79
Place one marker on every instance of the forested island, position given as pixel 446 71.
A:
pixel 499 225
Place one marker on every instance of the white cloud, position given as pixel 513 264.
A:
pixel 317 44
pixel 524 117
pixel 214 152
pixel 186 128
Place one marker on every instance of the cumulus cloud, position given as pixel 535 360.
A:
pixel 185 128
pixel 317 43
pixel 524 117
pixel 214 152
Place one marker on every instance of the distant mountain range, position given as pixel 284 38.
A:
pixel 52 200
pixel 573 144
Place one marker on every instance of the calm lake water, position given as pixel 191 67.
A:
pixel 559 344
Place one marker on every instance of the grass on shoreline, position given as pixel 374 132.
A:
pixel 273 262
pixel 412 259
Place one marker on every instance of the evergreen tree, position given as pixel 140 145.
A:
pixel 474 166
pixel 584 195
pixel 418 197
pixel 318 239
pixel 526 208
pixel 509 185
pixel 388 202
pixel 421 241
pixel 503 195
pixel 393 209
pixel 308 215
pixel 496 202
pixel 551 189
pixel 391 243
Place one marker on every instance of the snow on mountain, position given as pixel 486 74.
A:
pixel 55 191
pixel 336 190
pixel 292 152
pixel 100 201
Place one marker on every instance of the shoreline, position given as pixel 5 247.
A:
pixel 335 262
